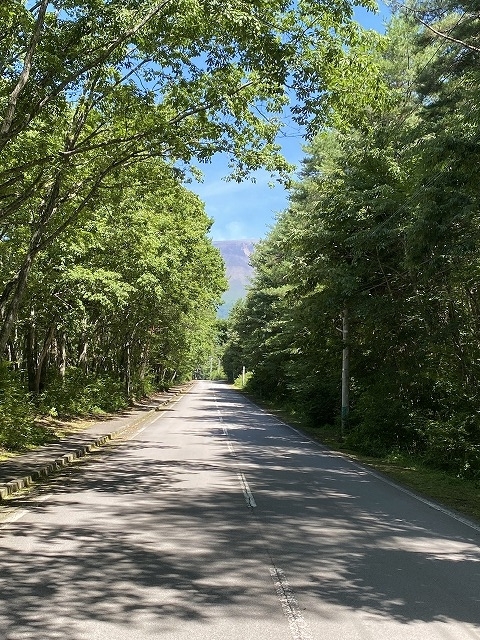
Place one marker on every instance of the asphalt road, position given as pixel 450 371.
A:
pixel 217 522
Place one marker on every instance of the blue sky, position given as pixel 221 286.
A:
pixel 247 210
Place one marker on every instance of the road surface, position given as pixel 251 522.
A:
pixel 218 522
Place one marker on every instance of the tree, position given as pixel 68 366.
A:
pixel 384 223
pixel 90 88
pixel 130 295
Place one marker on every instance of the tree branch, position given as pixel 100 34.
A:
pixel 204 107
pixel 103 57
pixel 445 36
pixel 5 130
pixel 24 75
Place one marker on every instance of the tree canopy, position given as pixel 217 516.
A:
pixel 105 107
pixel 384 222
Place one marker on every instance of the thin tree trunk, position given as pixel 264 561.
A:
pixel 128 370
pixel 62 354
pixel 345 373
pixel 42 358
pixel 30 353
pixel 24 76
pixel 82 354
pixel 458 348
pixel 12 300
pixel 13 293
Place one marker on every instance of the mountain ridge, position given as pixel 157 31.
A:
pixel 236 256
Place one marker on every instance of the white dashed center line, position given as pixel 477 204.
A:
pixel 296 621
pixel 249 499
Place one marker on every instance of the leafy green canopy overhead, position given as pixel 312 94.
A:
pixel 90 88
pixel 186 78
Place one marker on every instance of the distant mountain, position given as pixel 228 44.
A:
pixel 236 255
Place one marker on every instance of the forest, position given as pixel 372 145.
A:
pixel 109 282
pixel 374 266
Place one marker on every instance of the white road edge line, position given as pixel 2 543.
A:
pixel 249 499
pixel 433 505
pixel 411 494
pixel 298 626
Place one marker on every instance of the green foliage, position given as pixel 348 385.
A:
pixel 380 422
pixel 232 351
pixel 82 394
pixel 384 222
pixel 453 445
pixel 242 381
pixel 314 395
pixel 120 307
pixel 93 93
pixel 17 427
pixel 131 295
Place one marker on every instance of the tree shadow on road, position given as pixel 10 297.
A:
pixel 151 539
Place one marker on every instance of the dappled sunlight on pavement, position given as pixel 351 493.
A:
pixel 154 538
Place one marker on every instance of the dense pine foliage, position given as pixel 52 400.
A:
pixel 383 225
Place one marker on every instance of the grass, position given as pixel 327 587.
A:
pixel 61 428
pixel 459 494
pixel 6 455
pixel 53 429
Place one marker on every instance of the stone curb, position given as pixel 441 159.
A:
pixel 9 488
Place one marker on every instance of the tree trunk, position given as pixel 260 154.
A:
pixel 42 359
pixel 30 353
pixel 82 354
pixel 457 344
pixel 11 299
pixel 127 370
pixel 345 373
pixel 62 354
pixel 24 75
pixel 83 347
